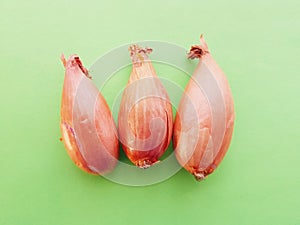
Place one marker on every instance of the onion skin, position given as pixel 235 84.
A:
pixel 88 129
pixel 193 134
pixel 145 116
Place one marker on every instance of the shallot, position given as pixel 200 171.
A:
pixel 88 129
pixel 204 121
pixel 145 116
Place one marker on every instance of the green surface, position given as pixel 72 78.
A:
pixel 255 42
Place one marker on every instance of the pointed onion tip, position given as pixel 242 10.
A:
pixel 203 43
pixel 80 65
pixel 135 49
pixel 139 54
pixel 73 61
pixel 197 51
pixel 63 59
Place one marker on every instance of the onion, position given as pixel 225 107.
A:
pixel 88 129
pixel 145 116
pixel 204 121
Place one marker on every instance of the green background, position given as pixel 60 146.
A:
pixel 256 43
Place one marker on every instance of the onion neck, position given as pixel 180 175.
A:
pixel 74 61
pixel 138 54
pixel 198 51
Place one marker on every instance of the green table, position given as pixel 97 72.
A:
pixel 257 45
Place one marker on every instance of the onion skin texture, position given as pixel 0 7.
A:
pixel 145 118
pixel 195 135
pixel 88 130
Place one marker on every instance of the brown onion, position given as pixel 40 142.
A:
pixel 87 126
pixel 204 121
pixel 145 116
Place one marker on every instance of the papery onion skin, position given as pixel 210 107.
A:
pixel 89 133
pixel 145 117
pixel 199 159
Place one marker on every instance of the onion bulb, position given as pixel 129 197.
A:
pixel 88 129
pixel 204 121
pixel 145 116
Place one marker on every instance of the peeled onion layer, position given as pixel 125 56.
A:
pixel 145 116
pixel 88 129
pixel 204 121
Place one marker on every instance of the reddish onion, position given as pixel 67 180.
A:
pixel 87 126
pixel 145 116
pixel 202 128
